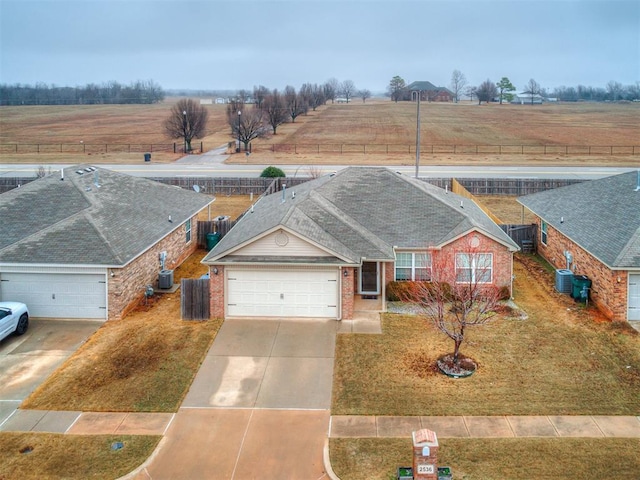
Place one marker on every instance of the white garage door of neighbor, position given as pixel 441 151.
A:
pixel 282 293
pixel 57 295
pixel 634 297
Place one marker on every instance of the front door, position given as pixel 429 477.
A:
pixel 369 278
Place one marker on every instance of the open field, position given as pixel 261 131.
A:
pixel 377 127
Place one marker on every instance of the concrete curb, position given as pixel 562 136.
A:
pixel 326 459
pixel 143 468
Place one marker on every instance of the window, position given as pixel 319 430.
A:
pixel 187 229
pixel 474 267
pixel 543 232
pixel 413 266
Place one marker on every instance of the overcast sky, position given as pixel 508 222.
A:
pixel 221 44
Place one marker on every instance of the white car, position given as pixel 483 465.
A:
pixel 14 318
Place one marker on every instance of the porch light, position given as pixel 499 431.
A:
pixel 345 273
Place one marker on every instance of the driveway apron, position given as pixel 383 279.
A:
pixel 258 407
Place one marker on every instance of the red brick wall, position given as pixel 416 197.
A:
pixel 216 290
pixel 126 288
pixel 607 293
pixel 347 294
pixel 502 258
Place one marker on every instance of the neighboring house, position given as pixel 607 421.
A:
pixel 84 243
pixel 308 251
pixel 593 228
pixel 428 92
pixel 523 98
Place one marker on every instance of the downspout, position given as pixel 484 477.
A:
pixel 340 275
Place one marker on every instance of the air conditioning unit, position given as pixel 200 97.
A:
pixel 564 279
pixel 165 279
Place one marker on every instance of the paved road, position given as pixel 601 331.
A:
pixel 213 166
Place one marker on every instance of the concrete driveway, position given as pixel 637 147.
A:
pixel 258 407
pixel 26 361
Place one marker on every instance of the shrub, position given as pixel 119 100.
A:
pixel 272 172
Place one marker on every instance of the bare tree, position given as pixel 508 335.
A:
pixel 396 88
pixel 470 92
pixel 330 88
pixel 187 120
pixel 293 102
pixel 458 295
pixel 243 96
pixel 532 88
pixel 259 94
pixel 614 89
pixel 247 124
pixel 317 96
pixel 364 94
pixel 274 109
pixel 347 89
pixel 458 82
pixel 486 92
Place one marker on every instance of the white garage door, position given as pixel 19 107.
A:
pixel 282 293
pixel 634 297
pixel 57 295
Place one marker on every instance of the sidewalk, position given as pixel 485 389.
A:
pixel 354 426
pixel 344 426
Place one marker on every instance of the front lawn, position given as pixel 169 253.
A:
pixel 143 363
pixel 493 458
pixel 562 360
pixel 49 455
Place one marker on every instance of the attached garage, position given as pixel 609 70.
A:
pixel 280 292
pixel 634 297
pixel 57 295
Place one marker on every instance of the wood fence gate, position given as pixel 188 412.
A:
pixel 524 235
pixel 194 299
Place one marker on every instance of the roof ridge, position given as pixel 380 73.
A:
pixel 341 215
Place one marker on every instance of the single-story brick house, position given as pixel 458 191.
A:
pixel 596 226
pixel 86 241
pixel 428 92
pixel 309 250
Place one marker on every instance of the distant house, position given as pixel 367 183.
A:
pixel 220 101
pixel 524 98
pixel 427 91
pixel 85 243
pixel 311 250
pixel 206 101
pixel 593 229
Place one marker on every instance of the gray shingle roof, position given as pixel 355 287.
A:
pixel 75 222
pixel 602 216
pixel 363 212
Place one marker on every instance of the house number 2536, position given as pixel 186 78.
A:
pixel 426 469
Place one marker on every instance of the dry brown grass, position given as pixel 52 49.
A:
pixel 493 459
pixel 507 209
pixel 143 363
pixel 545 365
pixel 378 122
pixel 71 456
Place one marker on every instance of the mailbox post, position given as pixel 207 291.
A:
pixel 425 455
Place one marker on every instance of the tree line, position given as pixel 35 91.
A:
pixel 259 113
pixel 501 91
pixel 139 92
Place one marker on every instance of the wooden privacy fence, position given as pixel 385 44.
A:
pixel 524 235
pixel 511 186
pixel 456 187
pixel 194 299
pixel 221 225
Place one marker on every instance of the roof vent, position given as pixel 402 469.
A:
pixel 79 172
pixel 638 183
